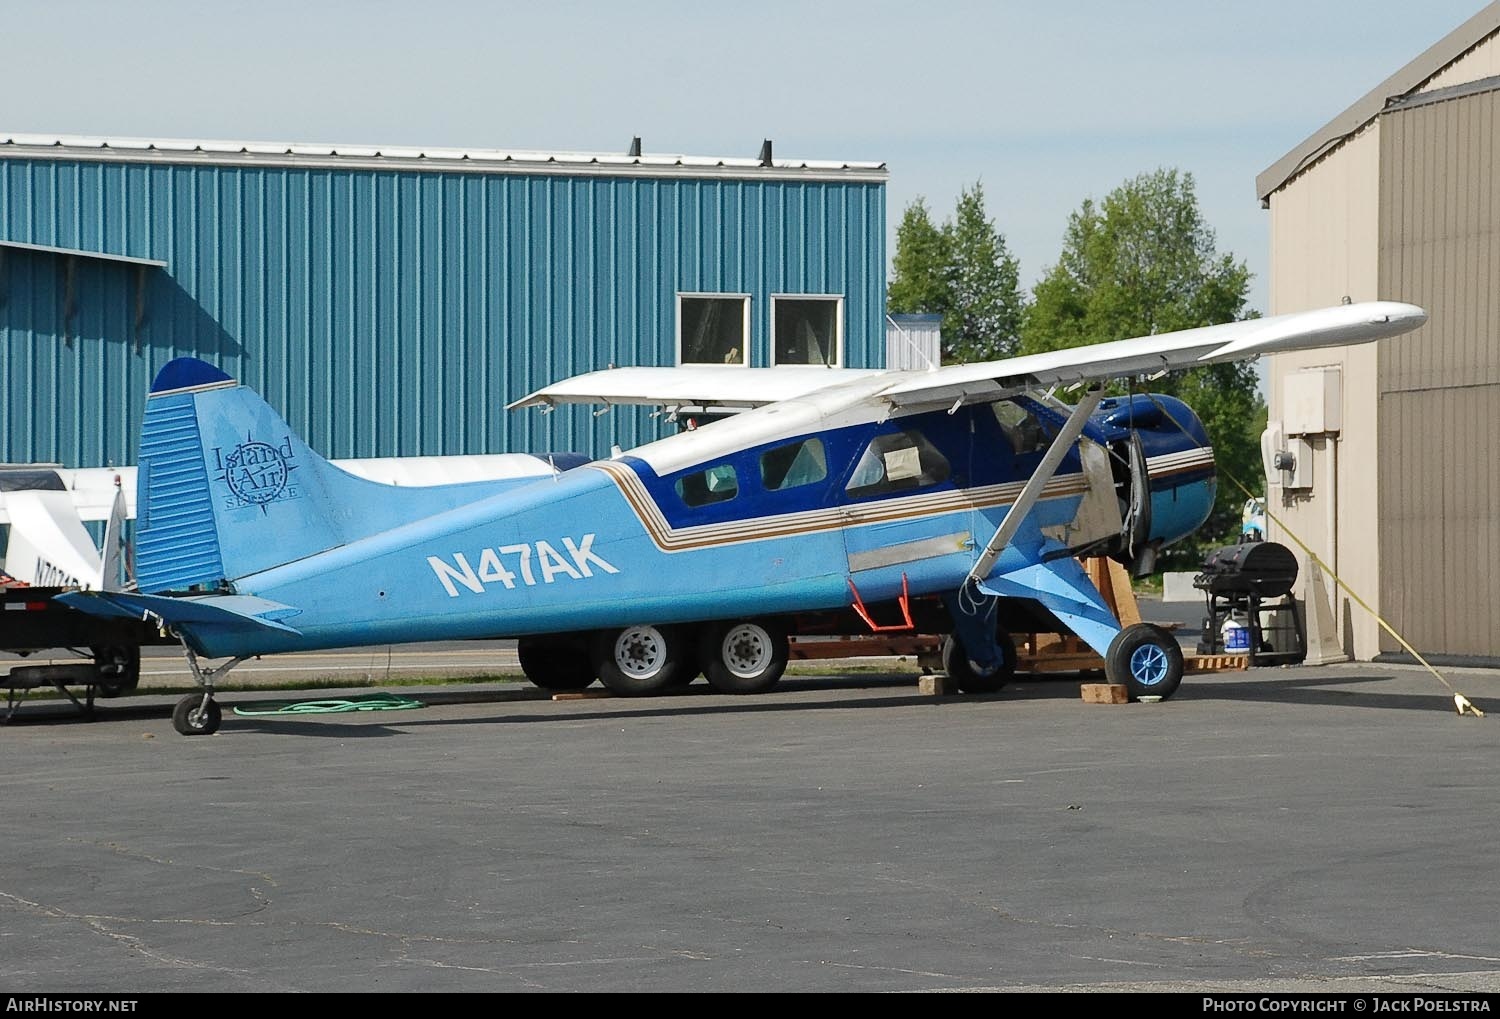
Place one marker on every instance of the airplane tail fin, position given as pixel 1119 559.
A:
pixel 225 489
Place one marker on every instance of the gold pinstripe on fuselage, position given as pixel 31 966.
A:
pixel 910 507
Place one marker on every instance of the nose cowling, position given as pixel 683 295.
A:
pixel 1164 470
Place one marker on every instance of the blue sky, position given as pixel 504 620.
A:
pixel 1045 103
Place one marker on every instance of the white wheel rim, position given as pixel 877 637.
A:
pixel 640 651
pixel 746 651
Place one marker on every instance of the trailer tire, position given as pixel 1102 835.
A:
pixel 643 660
pixel 119 669
pixel 963 674
pixel 556 665
pixel 745 656
pixel 1146 659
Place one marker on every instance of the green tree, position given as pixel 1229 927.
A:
pixel 962 271
pixel 919 271
pixel 1143 261
pixel 984 321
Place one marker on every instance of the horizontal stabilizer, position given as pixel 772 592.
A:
pixel 220 612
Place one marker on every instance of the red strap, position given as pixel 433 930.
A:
pixel 904 601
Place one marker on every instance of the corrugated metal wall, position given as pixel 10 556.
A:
pixel 1440 390
pixel 391 312
pixel 913 341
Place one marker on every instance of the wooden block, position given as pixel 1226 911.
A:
pixel 1216 663
pixel 933 686
pixel 1105 693
pixel 582 695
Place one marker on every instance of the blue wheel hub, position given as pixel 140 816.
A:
pixel 1149 665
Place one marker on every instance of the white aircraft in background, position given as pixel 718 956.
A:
pixel 46 508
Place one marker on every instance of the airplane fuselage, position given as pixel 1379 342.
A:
pixel 702 526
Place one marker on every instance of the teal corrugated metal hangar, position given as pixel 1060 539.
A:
pixel 391 301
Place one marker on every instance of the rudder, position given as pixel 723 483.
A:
pixel 177 542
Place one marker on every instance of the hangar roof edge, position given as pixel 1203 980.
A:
pixel 177 150
pixel 1405 81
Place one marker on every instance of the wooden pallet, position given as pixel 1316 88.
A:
pixel 1035 652
pixel 1051 652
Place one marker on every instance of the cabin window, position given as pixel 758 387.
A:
pixel 1024 429
pixel 716 484
pixel 807 329
pixel 793 465
pixel 713 328
pixel 897 462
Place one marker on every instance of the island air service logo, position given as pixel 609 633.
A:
pixel 256 473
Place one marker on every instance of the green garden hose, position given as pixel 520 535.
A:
pixel 371 702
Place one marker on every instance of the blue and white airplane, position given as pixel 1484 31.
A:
pixel 958 498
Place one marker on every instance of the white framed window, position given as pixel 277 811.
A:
pixel 807 329
pixel 713 329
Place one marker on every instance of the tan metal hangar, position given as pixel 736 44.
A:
pixel 1390 472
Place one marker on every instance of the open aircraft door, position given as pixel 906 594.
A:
pixel 1136 550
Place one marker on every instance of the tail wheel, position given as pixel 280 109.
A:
pixel 1146 659
pixel 745 656
pixel 639 661
pixel 556 664
pixel 969 679
pixel 192 717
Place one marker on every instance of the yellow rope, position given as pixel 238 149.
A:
pixel 1460 702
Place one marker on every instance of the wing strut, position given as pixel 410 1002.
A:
pixel 1071 429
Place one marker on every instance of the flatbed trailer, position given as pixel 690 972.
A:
pixel 32 620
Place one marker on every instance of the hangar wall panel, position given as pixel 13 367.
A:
pixel 1441 535
pixel 1440 241
pixel 393 312
pixel 1324 246
pixel 1440 387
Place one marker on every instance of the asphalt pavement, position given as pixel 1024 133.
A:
pixel 1281 829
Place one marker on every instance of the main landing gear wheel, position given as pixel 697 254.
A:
pixel 556 665
pixel 192 717
pixel 1146 660
pixel 744 657
pixel 966 677
pixel 639 661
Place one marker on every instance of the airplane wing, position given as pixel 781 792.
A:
pixel 712 387
pixel 1341 325
pixel 699 388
